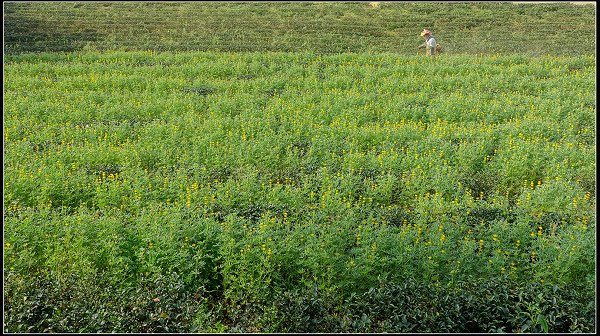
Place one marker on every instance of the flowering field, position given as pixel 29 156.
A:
pixel 297 192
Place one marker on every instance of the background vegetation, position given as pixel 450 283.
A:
pixel 213 191
pixel 324 27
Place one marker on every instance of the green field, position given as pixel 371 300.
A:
pixel 246 189
pixel 324 27
pixel 299 191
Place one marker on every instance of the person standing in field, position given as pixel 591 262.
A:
pixel 430 44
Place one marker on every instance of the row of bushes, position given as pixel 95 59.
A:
pixel 162 303
pixel 318 26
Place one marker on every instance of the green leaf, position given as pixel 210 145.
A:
pixel 543 323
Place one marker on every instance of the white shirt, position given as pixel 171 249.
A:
pixel 431 44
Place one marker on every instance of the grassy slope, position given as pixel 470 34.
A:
pixel 321 27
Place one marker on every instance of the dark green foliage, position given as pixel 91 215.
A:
pixel 200 90
pixel 54 303
pixel 161 304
